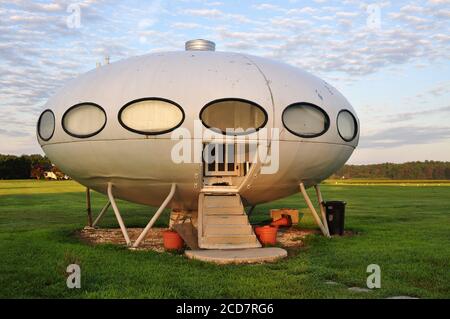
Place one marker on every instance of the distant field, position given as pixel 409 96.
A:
pixel 394 182
pixel 405 230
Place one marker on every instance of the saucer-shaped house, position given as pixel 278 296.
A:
pixel 184 130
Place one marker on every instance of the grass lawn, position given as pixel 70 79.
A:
pixel 398 182
pixel 405 230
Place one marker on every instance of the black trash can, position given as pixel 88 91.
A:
pixel 335 216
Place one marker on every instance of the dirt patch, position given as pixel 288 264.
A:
pixel 289 238
pixel 153 240
pixel 293 237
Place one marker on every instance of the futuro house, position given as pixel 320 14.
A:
pixel 112 130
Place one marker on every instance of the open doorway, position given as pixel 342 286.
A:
pixel 226 164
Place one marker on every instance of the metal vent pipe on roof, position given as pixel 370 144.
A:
pixel 200 45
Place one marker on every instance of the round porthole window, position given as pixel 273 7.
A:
pixel 151 116
pixel 84 120
pixel 233 116
pixel 305 120
pixel 46 125
pixel 347 125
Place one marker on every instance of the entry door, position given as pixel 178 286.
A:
pixel 220 160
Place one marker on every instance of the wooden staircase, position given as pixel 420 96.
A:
pixel 223 223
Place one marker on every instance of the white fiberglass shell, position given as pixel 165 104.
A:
pixel 140 165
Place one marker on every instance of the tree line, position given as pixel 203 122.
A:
pixel 410 170
pixel 26 166
pixel 35 165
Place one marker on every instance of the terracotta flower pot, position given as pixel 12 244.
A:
pixel 172 241
pixel 267 235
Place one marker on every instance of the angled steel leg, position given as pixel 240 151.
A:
pixel 119 218
pixel 322 208
pixel 155 217
pixel 313 210
pixel 102 212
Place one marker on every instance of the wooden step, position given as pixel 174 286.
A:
pixel 220 190
pixel 221 201
pixel 231 246
pixel 224 224
pixel 226 219
pixel 230 241
pixel 224 229
pixel 223 211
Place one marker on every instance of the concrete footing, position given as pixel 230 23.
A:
pixel 238 256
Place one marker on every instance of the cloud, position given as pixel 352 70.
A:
pixel 400 136
pixel 406 116
pixel 347 14
pixel 246 36
pixel 440 89
pixel 186 25
pixel 266 6
pixel 437 2
pixel 214 3
pixel 208 13
pixel 15 133
pixel 437 90
pixel 39 53
pixel 305 10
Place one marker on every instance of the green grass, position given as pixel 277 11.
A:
pixel 405 230
pixel 392 182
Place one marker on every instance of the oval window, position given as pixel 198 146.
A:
pixel 233 116
pixel 151 116
pixel 46 125
pixel 305 120
pixel 84 120
pixel 347 125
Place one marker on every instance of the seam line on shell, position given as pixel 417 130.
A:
pixel 165 139
pixel 268 86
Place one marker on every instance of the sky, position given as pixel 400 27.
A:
pixel 390 59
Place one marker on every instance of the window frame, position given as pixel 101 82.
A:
pixel 119 115
pixel 85 135
pixel 39 125
pixel 354 121
pixel 232 99
pixel 327 120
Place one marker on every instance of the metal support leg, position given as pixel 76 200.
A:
pixel 88 206
pixel 313 210
pixel 119 218
pixel 102 212
pixel 155 217
pixel 322 209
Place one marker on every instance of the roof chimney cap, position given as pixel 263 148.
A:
pixel 200 45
